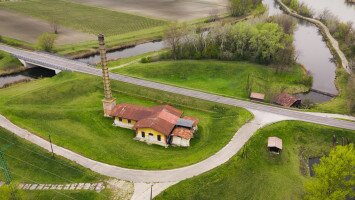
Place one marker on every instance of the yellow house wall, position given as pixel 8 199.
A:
pixel 154 132
pixel 126 121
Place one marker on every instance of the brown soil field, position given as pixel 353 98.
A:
pixel 175 10
pixel 28 29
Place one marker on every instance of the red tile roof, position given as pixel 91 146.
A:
pixel 133 112
pixel 160 118
pixel 182 132
pixel 156 123
pixel 286 100
pixel 168 108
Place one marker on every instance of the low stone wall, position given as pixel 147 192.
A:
pixel 325 31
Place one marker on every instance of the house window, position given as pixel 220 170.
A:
pixel 159 137
pixel 120 119
pixel 143 134
pixel 129 121
pixel 150 134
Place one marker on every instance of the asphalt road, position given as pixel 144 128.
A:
pixel 61 63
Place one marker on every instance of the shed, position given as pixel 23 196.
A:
pixel 287 100
pixel 257 96
pixel 274 144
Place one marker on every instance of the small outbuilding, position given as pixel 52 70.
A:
pixel 287 100
pixel 257 96
pixel 274 144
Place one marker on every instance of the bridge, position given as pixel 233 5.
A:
pixel 58 63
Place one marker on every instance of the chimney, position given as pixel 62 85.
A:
pixel 108 102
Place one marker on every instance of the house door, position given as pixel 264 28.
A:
pixel 151 137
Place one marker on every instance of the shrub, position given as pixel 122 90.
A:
pixel 146 59
pixel 46 41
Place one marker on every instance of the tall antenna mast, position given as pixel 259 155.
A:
pixel 108 102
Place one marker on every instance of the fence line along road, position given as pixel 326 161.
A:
pixel 53 61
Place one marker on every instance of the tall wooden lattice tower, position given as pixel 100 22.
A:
pixel 108 102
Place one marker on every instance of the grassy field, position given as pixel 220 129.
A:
pixel 76 16
pixel 262 175
pixel 223 77
pixel 30 164
pixel 9 64
pixel 68 106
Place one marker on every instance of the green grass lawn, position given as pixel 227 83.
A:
pixel 9 64
pixel 31 164
pixel 76 16
pixel 221 77
pixel 262 175
pixel 68 106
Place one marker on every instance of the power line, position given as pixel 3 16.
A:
pixel 54 174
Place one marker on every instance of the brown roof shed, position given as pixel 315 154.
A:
pixel 287 100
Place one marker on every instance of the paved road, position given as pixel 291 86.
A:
pixel 157 176
pixel 71 65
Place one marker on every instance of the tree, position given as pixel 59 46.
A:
pixel 46 41
pixel 351 94
pixel 10 192
pixel 173 37
pixel 334 176
pixel 54 25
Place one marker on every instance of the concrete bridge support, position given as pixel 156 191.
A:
pixel 30 65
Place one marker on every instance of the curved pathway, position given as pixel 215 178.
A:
pixel 324 29
pixel 173 175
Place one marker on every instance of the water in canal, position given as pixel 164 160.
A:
pixel 314 55
pixel 28 74
pixel 344 11
pixel 125 53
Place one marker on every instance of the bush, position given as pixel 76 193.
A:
pixel 146 59
pixel 262 43
pixel 46 41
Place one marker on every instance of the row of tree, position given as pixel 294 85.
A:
pixel 268 42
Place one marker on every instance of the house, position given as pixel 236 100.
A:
pixel 161 125
pixel 274 144
pixel 184 131
pixel 257 96
pixel 287 100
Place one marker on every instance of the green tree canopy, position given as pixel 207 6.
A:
pixel 334 176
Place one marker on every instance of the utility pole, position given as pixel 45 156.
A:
pixel 4 166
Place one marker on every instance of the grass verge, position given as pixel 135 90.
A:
pixel 9 64
pixel 31 164
pixel 228 78
pixel 262 175
pixel 68 106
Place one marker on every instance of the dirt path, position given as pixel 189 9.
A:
pixel 26 28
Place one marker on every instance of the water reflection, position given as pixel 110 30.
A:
pixel 344 11
pixel 28 74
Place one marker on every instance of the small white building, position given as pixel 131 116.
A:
pixel 274 144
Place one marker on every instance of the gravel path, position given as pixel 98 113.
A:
pixel 137 176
